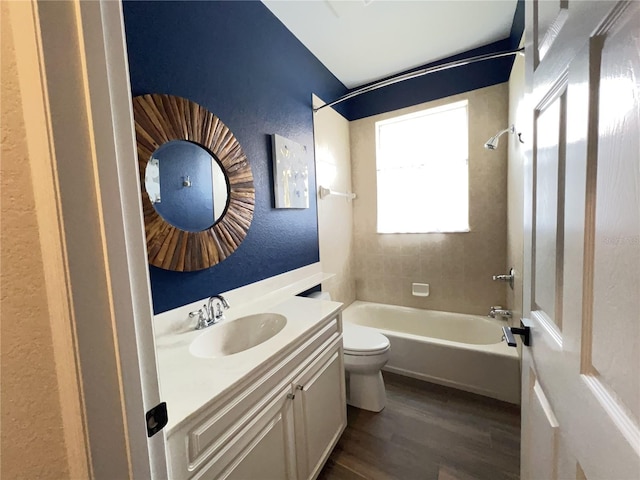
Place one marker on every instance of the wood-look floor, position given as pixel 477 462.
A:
pixel 426 432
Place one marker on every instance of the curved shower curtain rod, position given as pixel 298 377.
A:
pixel 419 73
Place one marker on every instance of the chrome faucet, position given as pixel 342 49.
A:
pixel 506 278
pixel 497 310
pixel 210 313
pixel 216 315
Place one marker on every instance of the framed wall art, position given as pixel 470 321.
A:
pixel 290 173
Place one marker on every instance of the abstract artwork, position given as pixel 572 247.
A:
pixel 290 173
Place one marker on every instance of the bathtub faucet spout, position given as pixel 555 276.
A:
pixel 498 311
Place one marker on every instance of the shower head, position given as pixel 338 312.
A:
pixel 492 143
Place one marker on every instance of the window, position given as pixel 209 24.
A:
pixel 423 172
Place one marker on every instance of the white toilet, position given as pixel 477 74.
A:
pixel 365 353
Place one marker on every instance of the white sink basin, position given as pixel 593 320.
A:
pixel 237 335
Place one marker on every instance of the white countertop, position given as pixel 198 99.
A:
pixel 187 383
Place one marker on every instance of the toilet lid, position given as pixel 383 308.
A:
pixel 363 341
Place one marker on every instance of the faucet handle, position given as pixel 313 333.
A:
pixel 223 301
pixel 203 320
pixel 506 278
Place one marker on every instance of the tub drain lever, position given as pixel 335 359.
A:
pixel 523 331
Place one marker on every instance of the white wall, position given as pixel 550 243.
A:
pixel 515 187
pixel 335 214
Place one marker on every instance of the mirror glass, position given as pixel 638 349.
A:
pixel 186 185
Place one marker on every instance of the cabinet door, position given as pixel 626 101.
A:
pixel 264 450
pixel 320 411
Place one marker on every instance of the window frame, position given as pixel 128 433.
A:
pixel 465 224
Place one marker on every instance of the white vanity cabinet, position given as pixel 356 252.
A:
pixel 280 422
pixel 269 448
pixel 319 410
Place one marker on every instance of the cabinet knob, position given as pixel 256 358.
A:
pixel 299 387
pixel 291 396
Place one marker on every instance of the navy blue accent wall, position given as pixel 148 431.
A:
pixel 187 207
pixel 238 61
pixel 435 85
pixel 517 26
pixel 445 83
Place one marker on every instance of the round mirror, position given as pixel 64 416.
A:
pixel 186 185
pixel 184 152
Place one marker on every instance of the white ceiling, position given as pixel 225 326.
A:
pixel 360 41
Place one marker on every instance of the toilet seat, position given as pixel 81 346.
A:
pixel 365 353
pixel 360 341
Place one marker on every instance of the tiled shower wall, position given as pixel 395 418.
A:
pixel 457 266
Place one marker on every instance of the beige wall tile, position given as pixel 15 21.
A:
pixel 457 266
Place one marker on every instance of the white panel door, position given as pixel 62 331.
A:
pixel 581 386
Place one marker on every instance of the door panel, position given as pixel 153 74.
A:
pixel 549 195
pixel 549 18
pixel 580 418
pixel 615 332
pixel 543 461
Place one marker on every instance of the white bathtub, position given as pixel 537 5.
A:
pixel 452 349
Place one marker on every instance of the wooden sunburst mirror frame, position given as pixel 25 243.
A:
pixel 163 118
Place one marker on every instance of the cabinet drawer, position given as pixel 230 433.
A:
pixel 206 436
